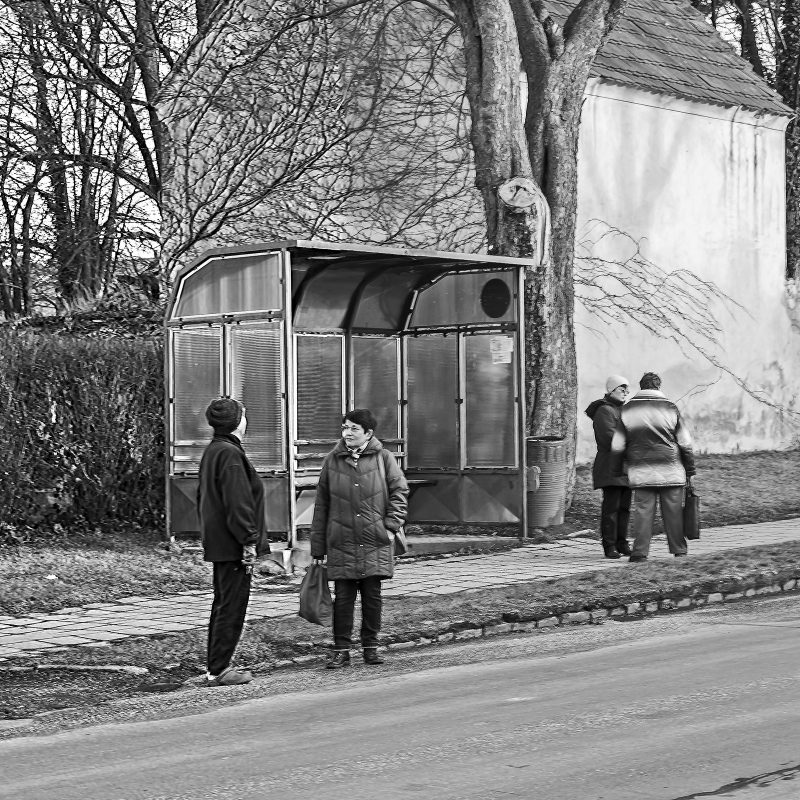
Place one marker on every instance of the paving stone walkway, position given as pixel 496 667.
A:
pixel 95 624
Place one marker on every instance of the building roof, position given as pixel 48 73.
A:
pixel 666 46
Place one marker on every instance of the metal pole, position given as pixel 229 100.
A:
pixel 521 399
pixel 168 426
pixel 290 404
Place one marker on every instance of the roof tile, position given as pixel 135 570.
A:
pixel 666 46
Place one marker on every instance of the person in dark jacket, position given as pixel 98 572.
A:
pixel 230 504
pixel 362 497
pixel 616 504
pixel 656 447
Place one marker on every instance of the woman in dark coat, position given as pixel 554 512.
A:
pixel 362 497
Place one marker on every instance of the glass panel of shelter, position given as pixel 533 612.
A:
pixel 196 378
pixel 231 285
pixel 319 373
pixel 466 298
pixel 432 396
pixel 461 382
pixel 241 360
pixel 490 400
pixel 455 382
pixel 384 300
pixel 462 386
pixel 327 298
pixel 256 378
pixel 376 385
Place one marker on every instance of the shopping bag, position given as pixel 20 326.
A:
pixel 691 514
pixel 315 596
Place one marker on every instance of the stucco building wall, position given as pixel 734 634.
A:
pixel 700 188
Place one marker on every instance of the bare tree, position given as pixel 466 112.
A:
pixel 525 156
pixel 20 247
pixel 520 154
pixel 85 136
pixel 317 125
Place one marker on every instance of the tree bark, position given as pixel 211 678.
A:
pixel 787 82
pixel 542 145
pixel 148 60
pixel 748 41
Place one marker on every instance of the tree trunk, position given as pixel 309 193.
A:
pixel 748 41
pixel 498 37
pixel 787 82
pixel 148 60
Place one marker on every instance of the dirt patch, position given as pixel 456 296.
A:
pixel 25 692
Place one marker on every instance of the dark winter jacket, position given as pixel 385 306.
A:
pixel 230 501
pixel 354 511
pixel 605 416
pixel 653 441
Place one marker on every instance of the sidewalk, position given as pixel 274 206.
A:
pixel 97 623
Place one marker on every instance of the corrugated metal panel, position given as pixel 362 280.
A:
pixel 376 366
pixel 319 386
pixel 196 374
pixel 256 374
pixel 491 417
pixel 432 409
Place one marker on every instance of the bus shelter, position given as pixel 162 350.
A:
pixel 300 331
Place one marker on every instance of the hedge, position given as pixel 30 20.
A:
pixel 81 432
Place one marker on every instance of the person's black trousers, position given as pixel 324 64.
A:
pixel 615 511
pixel 344 607
pixel 231 594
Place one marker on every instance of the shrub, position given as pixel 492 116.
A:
pixel 81 430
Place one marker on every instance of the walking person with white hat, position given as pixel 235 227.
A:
pixel 615 508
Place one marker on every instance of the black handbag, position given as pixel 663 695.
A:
pixel 691 514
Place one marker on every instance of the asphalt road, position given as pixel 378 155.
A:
pixel 692 705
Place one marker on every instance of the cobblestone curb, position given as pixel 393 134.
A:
pixel 464 631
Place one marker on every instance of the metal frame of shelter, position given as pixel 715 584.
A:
pixel 300 331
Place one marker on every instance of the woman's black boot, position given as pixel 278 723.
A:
pixel 339 659
pixel 371 656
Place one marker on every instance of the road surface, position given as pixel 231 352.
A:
pixel 693 705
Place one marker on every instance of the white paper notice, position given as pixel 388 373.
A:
pixel 501 348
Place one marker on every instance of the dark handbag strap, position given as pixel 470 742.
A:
pixel 384 482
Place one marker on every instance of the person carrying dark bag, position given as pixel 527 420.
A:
pixel 360 504
pixel 655 447
pixel 230 504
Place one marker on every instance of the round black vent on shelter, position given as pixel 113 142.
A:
pixel 495 298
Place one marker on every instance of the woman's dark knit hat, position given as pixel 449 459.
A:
pixel 224 414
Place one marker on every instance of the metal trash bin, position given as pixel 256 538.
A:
pixel 546 502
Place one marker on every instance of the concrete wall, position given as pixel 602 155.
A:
pixel 702 189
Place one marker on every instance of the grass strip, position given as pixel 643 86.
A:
pixel 98 567
pixel 171 659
